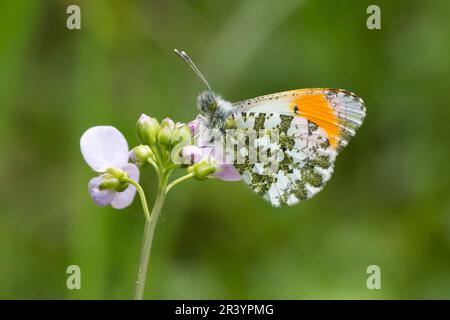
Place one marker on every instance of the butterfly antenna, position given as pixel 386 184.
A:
pixel 183 55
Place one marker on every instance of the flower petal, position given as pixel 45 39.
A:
pixel 103 147
pixel 167 122
pixel 125 198
pixel 194 125
pixel 227 172
pixel 100 197
pixel 191 154
pixel 132 156
pixel 143 118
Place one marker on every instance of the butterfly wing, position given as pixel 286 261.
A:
pixel 312 126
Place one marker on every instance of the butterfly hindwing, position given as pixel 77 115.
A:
pixel 300 133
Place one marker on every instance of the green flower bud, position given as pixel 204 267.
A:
pixel 116 173
pixel 109 184
pixel 147 129
pixel 181 134
pixel 113 180
pixel 202 169
pixel 141 153
pixel 164 135
pixel 121 187
pixel 167 122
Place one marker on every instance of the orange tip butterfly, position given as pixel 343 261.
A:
pixel 312 126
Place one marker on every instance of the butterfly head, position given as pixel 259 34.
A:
pixel 207 102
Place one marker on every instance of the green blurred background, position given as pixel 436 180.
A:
pixel 387 204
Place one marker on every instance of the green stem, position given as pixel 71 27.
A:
pixel 158 158
pixel 177 181
pixel 149 231
pixel 141 195
pixel 155 166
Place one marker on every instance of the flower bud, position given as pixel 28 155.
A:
pixel 167 122
pixel 181 134
pixel 202 169
pixel 116 173
pixel 109 183
pixel 147 129
pixel 164 135
pixel 140 154
pixel 121 187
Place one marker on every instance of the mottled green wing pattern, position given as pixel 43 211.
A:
pixel 298 162
pixel 312 126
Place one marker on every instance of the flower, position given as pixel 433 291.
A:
pixel 105 150
pixel 227 172
pixel 191 155
pixel 211 153
pixel 224 171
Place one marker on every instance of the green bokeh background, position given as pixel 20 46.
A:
pixel 387 204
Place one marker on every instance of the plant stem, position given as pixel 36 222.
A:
pixel 149 231
pixel 154 165
pixel 141 195
pixel 177 181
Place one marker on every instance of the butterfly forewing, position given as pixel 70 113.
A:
pixel 300 133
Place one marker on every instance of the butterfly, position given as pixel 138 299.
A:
pixel 312 126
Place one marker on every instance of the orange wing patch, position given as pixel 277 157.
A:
pixel 316 108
